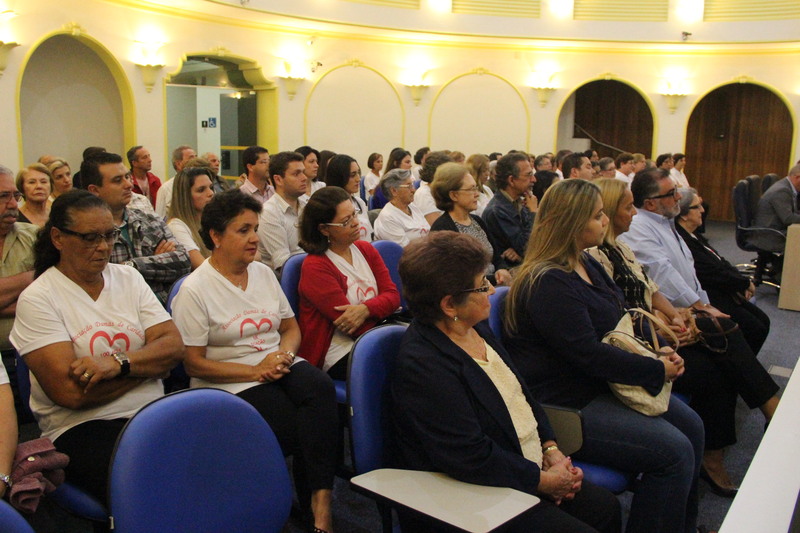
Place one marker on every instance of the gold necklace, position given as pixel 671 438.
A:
pixel 238 284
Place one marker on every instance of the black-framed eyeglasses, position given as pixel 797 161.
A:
pixel 7 195
pixel 485 286
pixel 671 193
pixel 345 223
pixel 93 239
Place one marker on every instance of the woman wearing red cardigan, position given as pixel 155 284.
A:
pixel 345 288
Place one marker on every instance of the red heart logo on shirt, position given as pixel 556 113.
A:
pixel 109 339
pixel 257 325
pixel 363 294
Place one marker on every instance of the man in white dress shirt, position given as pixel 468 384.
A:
pixel 180 156
pixel 278 234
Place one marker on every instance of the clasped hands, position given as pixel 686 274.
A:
pixel 274 366
pixel 352 317
pixel 560 479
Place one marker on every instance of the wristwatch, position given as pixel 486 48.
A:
pixel 124 363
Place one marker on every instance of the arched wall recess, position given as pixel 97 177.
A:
pixel 493 127
pixel 357 111
pixel 608 76
pixel 126 129
pixel 266 92
pixel 770 88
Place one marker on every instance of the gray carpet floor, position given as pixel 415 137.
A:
pixel 354 513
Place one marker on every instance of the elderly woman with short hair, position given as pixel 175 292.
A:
pixel 456 193
pixel 461 407
pixel 728 289
pixel 34 182
pixel 400 220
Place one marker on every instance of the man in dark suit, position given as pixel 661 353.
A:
pixel 777 209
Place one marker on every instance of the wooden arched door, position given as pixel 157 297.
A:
pixel 616 115
pixel 736 130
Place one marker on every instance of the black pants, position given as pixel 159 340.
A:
pixel 593 509
pixel 715 379
pixel 301 410
pixel 90 446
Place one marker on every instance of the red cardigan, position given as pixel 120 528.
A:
pixel 153 184
pixel 323 287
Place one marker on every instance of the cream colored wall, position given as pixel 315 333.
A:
pixel 356 108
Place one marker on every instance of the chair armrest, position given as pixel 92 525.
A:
pixel 468 507
pixel 567 423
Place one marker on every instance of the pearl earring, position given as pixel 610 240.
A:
pixel 455 319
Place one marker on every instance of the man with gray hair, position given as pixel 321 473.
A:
pixel 657 245
pixel 180 156
pixel 778 209
pixel 16 256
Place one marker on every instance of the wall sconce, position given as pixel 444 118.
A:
pixel 5 49
pixel 416 92
pixel 542 82
pixel 673 101
pixel 149 73
pixel 544 94
pixel 291 85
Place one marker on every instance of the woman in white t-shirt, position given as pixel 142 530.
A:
pixel 241 336
pixel 94 336
pixel 192 191
pixel 400 220
pixel 345 288
pixel 373 177
pixel 344 172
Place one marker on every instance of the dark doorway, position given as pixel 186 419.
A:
pixel 614 117
pixel 735 131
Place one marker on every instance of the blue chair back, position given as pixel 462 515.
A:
pixel 290 279
pixel 173 292
pixel 200 460
pixel 362 189
pixel 371 364
pixel 390 253
pixel 498 303
pixel 67 495
pixel 11 521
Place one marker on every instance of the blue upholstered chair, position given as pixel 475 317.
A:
pixel 11 521
pixel 390 253
pixel 200 460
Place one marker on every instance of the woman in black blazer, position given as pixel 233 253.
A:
pixel 460 407
pixel 728 289
pixel 456 193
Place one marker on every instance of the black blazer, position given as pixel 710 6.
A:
pixel 449 416
pixel 446 223
pixel 720 279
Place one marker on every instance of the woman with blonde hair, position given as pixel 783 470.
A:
pixel 478 165
pixel 559 308
pixel 34 182
pixel 192 191
pixel 62 179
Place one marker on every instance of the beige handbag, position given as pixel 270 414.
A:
pixel 623 337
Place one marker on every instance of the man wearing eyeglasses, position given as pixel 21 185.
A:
pixel 144 243
pixel 657 245
pixel 16 254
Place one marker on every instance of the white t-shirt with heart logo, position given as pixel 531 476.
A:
pixel 236 326
pixel 55 309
